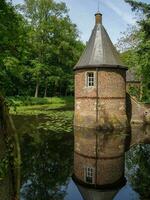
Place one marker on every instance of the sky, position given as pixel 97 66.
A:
pixel 117 16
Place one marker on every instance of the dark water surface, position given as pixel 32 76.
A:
pixel 47 166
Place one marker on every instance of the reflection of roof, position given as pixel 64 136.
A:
pixel 131 76
pixel 95 194
pixel 99 52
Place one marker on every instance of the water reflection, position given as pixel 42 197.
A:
pixel 47 163
pixel 138 160
pixel 138 169
pixel 94 194
pixel 5 178
pixel 9 158
pixel 99 159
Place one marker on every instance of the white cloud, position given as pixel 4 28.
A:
pixel 126 16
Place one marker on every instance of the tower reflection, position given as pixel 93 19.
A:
pixel 95 194
pixel 99 157
pixel 99 162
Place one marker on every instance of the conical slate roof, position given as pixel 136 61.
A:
pixel 99 52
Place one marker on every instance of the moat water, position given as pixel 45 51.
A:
pixel 47 167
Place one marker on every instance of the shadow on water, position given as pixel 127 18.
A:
pixel 47 163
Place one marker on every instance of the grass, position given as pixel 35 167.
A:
pixel 56 113
pixel 26 101
pixel 37 106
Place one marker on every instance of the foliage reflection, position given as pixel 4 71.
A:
pixel 46 165
pixel 138 169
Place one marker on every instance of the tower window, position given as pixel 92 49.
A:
pixel 89 175
pixel 90 79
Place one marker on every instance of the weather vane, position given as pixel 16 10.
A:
pixel 98 5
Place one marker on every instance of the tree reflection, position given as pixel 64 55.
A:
pixel 9 156
pixel 138 169
pixel 46 165
pixel 5 179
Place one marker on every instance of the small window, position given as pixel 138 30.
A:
pixel 89 175
pixel 90 79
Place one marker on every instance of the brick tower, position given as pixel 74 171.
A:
pixel 100 83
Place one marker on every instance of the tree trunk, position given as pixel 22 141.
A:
pixel 45 92
pixel 60 89
pixel 36 89
pixel 66 92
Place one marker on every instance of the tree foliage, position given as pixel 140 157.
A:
pixel 135 45
pixel 38 50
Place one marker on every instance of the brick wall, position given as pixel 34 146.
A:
pixel 111 103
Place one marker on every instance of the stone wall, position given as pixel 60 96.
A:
pixel 135 110
pixel 133 85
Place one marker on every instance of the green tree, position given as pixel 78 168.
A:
pixel 139 54
pixel 54 44
pixel 12 48
pixel 38 48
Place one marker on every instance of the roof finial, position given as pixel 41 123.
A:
pixel 98 15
